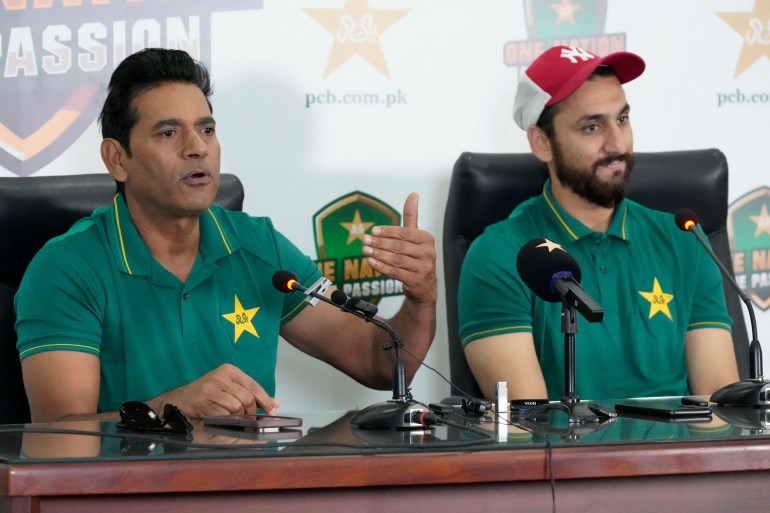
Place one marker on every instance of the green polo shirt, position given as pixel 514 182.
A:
pixel 97 289
pixel 653 281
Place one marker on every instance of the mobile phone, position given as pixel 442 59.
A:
pixel 254 422
pixel 253 434
pixel 662 409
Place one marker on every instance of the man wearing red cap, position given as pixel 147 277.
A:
pixel 666 330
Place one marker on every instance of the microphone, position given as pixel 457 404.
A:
pixel 286 281
pixel 754 391
pixel 397 413
pixel 554 275
pixel 339 298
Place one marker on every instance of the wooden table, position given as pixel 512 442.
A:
pixel 693 474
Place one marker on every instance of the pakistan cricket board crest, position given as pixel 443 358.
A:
pixel 562 22
pixel 547 19
pixel 748 226
pixel 339 229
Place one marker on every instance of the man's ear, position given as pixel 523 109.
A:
pixel 540 144
pixel 114 157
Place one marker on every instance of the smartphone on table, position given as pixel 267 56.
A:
pixel 667 409
pixel 253 422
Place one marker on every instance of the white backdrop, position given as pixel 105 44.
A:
pixel 443 62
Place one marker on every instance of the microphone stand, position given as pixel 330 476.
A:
pixel 398 412
pixel 754 391
pixel 577 411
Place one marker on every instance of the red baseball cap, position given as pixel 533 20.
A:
pixel 559 72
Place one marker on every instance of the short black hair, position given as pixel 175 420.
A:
pixel 138 73
pixel 545 121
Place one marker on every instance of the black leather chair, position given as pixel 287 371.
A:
pixel 486 187
pixel 32 211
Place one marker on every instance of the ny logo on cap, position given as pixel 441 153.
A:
pixel 572 53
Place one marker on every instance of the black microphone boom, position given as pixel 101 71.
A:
pixel 754 391
pixel 571 291
pixel 397 413
pixel 355 303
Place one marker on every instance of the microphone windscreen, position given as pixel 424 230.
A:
pixel 538 262
pixel 338 297
pixel 685 219
pixel 282 280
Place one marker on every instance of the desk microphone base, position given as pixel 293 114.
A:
pixel 584 418
pixel 578 412
pixel 393 414
pixel 749 392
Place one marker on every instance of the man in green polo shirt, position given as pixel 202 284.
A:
pixel 164 297
pixel 666 330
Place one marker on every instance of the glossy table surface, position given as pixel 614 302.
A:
pixel 330 433
pixel 87 465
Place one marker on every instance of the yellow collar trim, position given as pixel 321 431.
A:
pixel 120 234
pixel 556 213
pixel 221 233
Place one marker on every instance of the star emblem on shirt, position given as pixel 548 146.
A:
pixel 658 299
pixel 762 221
pixel 356 228
pixel 241 320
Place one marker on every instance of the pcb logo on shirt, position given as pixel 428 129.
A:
pixel 748 227
pixel 562 22
pixel 57 57
pixel 339 228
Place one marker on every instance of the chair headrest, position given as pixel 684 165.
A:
pixel 33 210
pixel 490 185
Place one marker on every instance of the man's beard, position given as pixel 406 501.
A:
pixel 585 183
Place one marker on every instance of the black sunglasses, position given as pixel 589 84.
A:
pixel 138 416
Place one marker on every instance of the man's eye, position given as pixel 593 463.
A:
pixel 590 128
pixel 210 130
pixel 167 133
